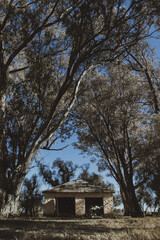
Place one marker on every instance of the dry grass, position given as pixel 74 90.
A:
pixel 81 229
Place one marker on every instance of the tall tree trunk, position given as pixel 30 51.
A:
pixel 4 196
pixel 11 188
pixel 135 207
pixel 9 204
pixel 130 202
pixel 9 200
pixel 127 211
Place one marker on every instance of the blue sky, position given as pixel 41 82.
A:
pixel 68 154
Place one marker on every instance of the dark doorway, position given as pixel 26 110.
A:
pixel 66 207
pixel 94 207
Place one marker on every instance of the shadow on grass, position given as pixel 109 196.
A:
pixel 43 229
pixel 57 226
pixel 25 230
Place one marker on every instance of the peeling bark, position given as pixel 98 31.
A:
pixel 9 200
pixel 9 204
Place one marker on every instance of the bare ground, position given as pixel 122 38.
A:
pixel 125 228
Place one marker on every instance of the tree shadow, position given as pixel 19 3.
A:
pixel 34 229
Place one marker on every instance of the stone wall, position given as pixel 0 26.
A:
pixel 108 205
pixel 50 202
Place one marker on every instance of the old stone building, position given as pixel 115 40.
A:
pixel 78 198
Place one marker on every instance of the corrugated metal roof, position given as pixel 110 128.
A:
pixel 78 186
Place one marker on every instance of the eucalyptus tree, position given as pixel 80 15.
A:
pixel 31 197
pixel 60 172
pixel 154 7
pixel 149 192
pixel 111 123
pixel 46 47
pixel 144 62
pixel 93 178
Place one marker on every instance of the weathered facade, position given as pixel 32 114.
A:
pixel 78 198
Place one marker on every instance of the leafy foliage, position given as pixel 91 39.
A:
pixel 60 172
pixel 143 61
pixel 111 124
pixel 31 197
pixel 93 178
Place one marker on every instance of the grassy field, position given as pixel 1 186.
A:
pixel 80 229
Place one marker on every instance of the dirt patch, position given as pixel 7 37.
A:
pixel 80 229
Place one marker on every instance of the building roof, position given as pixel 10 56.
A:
pixel 77 186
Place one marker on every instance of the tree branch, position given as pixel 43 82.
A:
pixel 7 17
pixel 18 70
pixel 54 149
pixel 29 38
